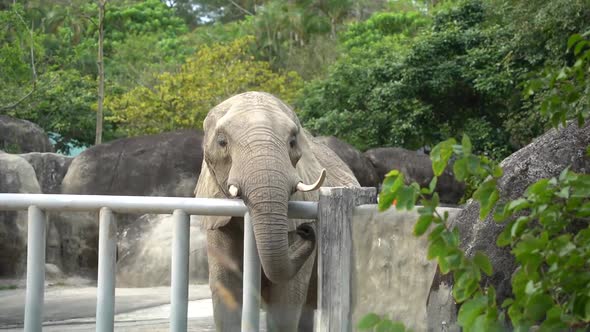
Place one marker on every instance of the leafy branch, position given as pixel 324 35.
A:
pixel 548 229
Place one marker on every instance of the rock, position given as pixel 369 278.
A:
pixel 21 136
pixel 50 169
pixel 545 157
pixel 361 167
pixel 157 165
pixel 16 176
pixel 52 272
pixel 145 253
pixel 416 167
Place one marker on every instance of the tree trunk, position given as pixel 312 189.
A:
pixel 100 64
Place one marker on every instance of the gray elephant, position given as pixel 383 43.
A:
pixel 255 148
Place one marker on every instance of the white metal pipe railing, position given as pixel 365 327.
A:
pixel 179 271
pixel 181 208
pixel 107 255
pixel 251 288
pixel 35 270
pixel 143 204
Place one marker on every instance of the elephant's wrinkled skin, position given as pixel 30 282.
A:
pixel 255 145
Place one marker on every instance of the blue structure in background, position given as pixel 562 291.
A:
pixel 74 150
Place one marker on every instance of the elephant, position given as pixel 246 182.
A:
pixel 256 149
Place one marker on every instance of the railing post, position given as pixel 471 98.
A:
pixel 35 270
pixel 336 206
pixel 251 287
pixel 179 273
pixel 107 255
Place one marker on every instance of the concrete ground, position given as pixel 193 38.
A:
pixel 73 308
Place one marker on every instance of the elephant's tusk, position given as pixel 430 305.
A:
pixel 233 190
pixel 310 187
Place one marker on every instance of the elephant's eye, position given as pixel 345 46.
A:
pixel 293 141
pixel 221 140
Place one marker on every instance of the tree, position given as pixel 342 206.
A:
pixel 18 58
pixel 359 99
pixel 464 75
pixel 547 229
pixel 182 99
pixel 100 64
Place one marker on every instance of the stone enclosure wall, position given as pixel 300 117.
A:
pixel 391 275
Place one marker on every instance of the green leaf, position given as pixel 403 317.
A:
pixel 483 262
pixel 519 226
pixel 432 184
pixel 436 248
pixel 573 39
pixel 504 238
pixel 440 155
pixel 368 322
pixel 537 188
pixel 579 47
pixel 518 204
pixel 501 213
pixel 385 200
pixel 389 326
pixel 466 143
pixel 436 232
pixel 480 323
pixel 393 181
pixel 537 306
pixel 470 310
pixel 422 225
pixel 474 164
pixel 491 295
pixel 487 195
pixel 460 169
pixel 406 198
pixel 497 171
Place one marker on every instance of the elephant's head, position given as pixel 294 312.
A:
pixel 252 145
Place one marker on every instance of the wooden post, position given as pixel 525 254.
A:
pixel 335 209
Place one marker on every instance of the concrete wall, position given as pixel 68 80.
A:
pixel 392 276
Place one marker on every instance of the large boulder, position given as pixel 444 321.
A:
pixel 21 136
pixel 417 167
pixel 545 157
pixel 16 176
pixel 50 169
pixel 157 165
pixel 361 167
pixel 145 252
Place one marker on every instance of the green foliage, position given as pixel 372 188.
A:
pixel 443 243
pixel 405 80
pixel 10 148
pixel 358 101
pixel 550 241
pixel 463 75
pixel 547 229
pixel 182 99
pixel 372 322
pixel 16 42
pixel 64 105
pixel 565 90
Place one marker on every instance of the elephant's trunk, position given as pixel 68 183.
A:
pixel 266 192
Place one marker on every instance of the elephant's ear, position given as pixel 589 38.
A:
pixel 207 187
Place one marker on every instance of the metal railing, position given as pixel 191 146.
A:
pixel 108 206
